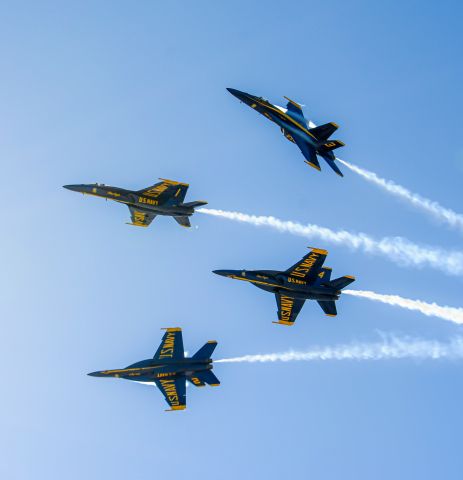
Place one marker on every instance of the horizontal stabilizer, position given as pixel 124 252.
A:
pixel 322 132
pixel 183 220
pixel 331 163
pixel 206 376
pixel 195 380
pixel 197 203
pixel 206 351
pixel 330 145
pixel 329 307
pixel 341 282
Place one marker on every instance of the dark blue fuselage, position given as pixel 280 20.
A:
pixel 280 282
pixel 291 122
pixel 151 370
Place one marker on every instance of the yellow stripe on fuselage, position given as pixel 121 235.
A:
pixel 287 117
pixel 108 198
pixel 259 282
pixel 129 369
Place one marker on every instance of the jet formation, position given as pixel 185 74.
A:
pixel 163 198
pixel 310 139
pixel 308 279
pixel 169 369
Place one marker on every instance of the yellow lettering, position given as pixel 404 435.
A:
pixel 157 190
pixel 149 201
pixel 168 346
pixel 171 391
pixel 286 304
pixel 305 266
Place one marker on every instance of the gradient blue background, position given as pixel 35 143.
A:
pixel 125 92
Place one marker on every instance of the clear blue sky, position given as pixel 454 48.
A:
pixel 125 92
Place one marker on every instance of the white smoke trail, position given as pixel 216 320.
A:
pixel 389 348
pixel 451 314
pixel 443 214
pixel 397 249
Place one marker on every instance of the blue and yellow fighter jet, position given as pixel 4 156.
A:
pixel 306 280
pixel 163 198
pixel 310 139
pixel 169 369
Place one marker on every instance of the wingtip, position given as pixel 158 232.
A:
pixel 321 251
pixel 175 408
pixel 174 182
pixel 298 105
pixel 313 165
pixel 136 224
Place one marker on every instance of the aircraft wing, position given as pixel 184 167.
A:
pixel 309 153
pixel 294 107
pixel 329 307
pixel 140 218
pixel 288 309
pixel 166 189
pixel 171 345
pixel 174 391
pixel 309 267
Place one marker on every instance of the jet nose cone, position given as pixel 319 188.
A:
pixel 78 188
pixel 74 188
pixel 95 374
pixel 240 95
pixel 223 273
pixel 226 273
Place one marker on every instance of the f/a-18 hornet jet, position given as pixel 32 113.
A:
pixel 306 280
pixel 310 139
pixel 163 198
pixel 169 369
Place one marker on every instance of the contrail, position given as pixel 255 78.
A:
pixel 397 249
pixel 451 314
pixel 390 348
pixel 443 214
